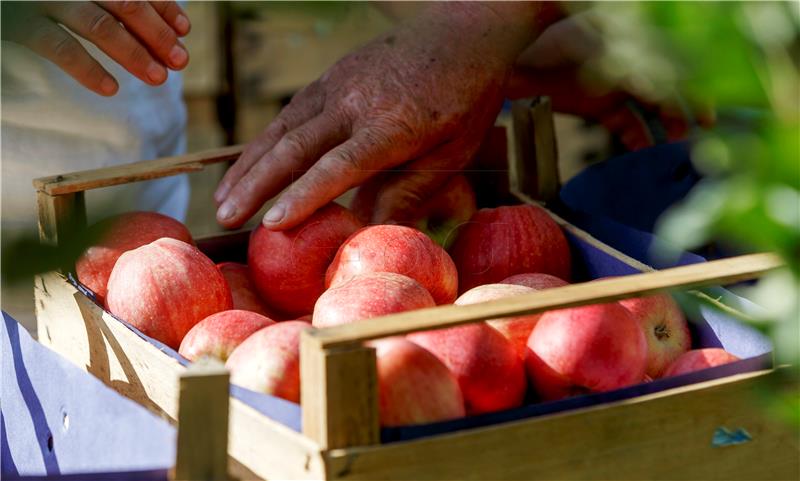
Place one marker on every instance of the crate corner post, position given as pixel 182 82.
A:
pixel 534 156
pixel 59 215
pixel 339 393
pixel 202 449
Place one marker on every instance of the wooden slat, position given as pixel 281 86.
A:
pixel 717 272
pixel 202 452
pixel 134 172
pixel 666 435
pixel 339 393
pixel 269 449
pixel 82 332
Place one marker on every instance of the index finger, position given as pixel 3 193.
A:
pixel 348 165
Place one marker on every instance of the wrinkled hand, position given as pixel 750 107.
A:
pixel 418 99
pixel 140 36
pixel 556 65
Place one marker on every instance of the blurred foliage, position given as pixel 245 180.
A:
pixel 743 58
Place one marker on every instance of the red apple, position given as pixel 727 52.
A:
pixel 488 370
pixel 585 349
pixel 398 249
pixel 269 360
pixel 439 216
pixel 166 287
pixel 218 334
pixel 242 289
pixel 498 243
pixel 414 386
pixel 664 327
pixel 288 267
pixel 698 359
pixel 535 280
pixel 369 295
pixel 515 329
pixel 120 234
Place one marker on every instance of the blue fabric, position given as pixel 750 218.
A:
pixel 148 475
pixel 633 189
pixel 57 419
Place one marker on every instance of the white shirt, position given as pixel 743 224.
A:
pixel 52 125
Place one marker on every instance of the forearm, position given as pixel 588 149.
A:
pixel 503 28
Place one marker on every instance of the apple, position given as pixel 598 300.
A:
pixel 498 243
pixel 398 249
pixel 490 373
pixel 535 280
pixel 269 360
pixel 664 327
pixel 515 329
pixel 698 359
pixel 414 387
pixel 166 287
pixel 593 348
pixel 438 216
pixel 369 295
pixel 288 267
pixel 242 288
pixel 120 234
pixel 218 334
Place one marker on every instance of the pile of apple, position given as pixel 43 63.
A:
pixel 333 270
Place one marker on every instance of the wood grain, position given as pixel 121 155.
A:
pixel 666 436
pixel 717 272
pixel 339 391
pixel 134 172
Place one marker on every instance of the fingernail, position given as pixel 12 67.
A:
pixel 275 214
pixel 226 211
pixel 156 73
pixel 182 24
pixel 108 86
pixel 178 56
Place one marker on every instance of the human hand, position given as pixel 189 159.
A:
pixel 419 98
pixel 140 36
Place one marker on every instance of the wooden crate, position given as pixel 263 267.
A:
pixel 667 434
